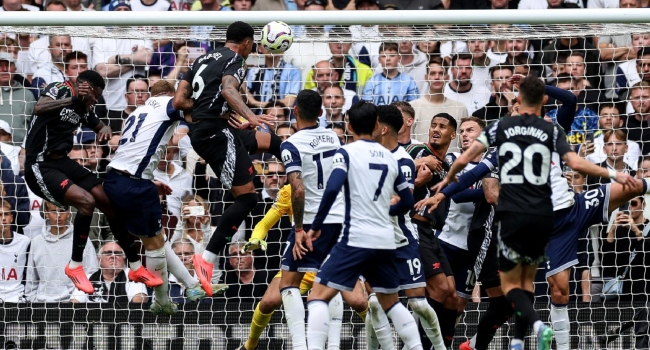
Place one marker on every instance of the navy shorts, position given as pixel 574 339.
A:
pixel 409 266
pixel 461 268
pixel 345 264
pixel 571 226
pixel 136 201
pixel 312 261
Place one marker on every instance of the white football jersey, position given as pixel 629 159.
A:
pixel 562 195
pixel 13 260
pixel 311 151
pixel 145 135
pixel 405 230
pixel 460 215
pixel 373 175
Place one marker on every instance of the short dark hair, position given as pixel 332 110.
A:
pixel 336 125
pixel 644 51
pixel 388 46
pixel 276 104
pixel 481 123
pixel 461 56
pixel 239 31
pixel 436 60
pixel 390 116
pixel 501 67
pixel 55 2
pixel 92 77
pixel 75 55
pixel 405 107
pixel 563 78
pixel 309 105
pixel 577 53
pixel 363 117
pixel 136 78
pixel 337 86
pixel 610 104
pixel 532 91
pixel 452 121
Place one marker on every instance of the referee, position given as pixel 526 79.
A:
pixel 210 91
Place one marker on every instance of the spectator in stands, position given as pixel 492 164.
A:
pixel 94 151
pixel 324 75
pixel 110 281
pixel 615 148
pixel 585 123
pixel 576 180
pixel 79 155
pixel 614 51
pixel 278 110
pixel 643 169
pixel 275 80
pixel 14 252
pixel 343 67
pixel 242 5
pixel 245 282
pixel 390 85
pixel 284 131
pixel 74 63
pixel 334 103
pixel 137 93
pixel 637 124
pixel 413 62
pixel 562 46
pixel 49 253
pixel 52 70
pixel 434 101
pixel 15 154
pixel 74 5
pixel 412 5
pixel 206 5
pixel 339 129
pixel 633 71
pixel 149 5
pixel 171 172
pixel 39 54
pixel 17 5
pixel 461 88
pixel 195 223
pixel 481 62
pixel 56 5
pixel 182 64
pixel 120 59
pixel 609 119
pixel 16 102
pixel 503 95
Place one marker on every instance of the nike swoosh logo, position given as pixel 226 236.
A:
pixel 417 278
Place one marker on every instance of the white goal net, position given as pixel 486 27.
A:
pixel 459 69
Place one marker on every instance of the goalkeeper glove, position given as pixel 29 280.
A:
pixel 254 243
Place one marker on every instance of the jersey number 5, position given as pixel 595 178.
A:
pixel 528 154
pixel 128 124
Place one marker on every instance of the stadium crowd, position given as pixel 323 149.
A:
pixel 609 76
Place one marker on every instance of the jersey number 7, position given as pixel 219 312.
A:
pixel 384 171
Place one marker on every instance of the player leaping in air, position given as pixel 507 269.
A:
pixel 210 91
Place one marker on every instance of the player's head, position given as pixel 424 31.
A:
pixel 241 34
pixel 390 120
pixel 7 216
pixel 162 88
pixel 94 79
pixel 441 131
pixel 363 118
pixel 308 106
pixel 470 128
pixel 408 114
pixel 532 93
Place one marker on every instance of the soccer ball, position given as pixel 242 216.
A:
pixel 277 37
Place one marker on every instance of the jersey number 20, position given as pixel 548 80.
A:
pixel 527 155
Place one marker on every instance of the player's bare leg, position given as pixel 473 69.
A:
pixel 418 303
pixel 294 309
pixel 245 201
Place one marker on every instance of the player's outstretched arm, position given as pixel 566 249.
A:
pixel 183 98
pixel 575 162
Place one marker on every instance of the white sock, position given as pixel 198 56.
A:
pixel 405 326
pixel 74 264
pixel 210 257
pixel 429 321
pixel 318 324
pixel 537 326
pixel 380 323
pixel 472 342
pixel 294 312
pixel 561 327
pixel 134 266
pixel 157 266
pixel 516 341
pixel 371 337
pixel 176 267
pixel 336 322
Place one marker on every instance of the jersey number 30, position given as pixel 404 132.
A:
pixel 527 155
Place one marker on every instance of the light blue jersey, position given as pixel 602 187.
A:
pixel 382 90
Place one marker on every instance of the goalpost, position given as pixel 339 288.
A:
pixel 224 324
